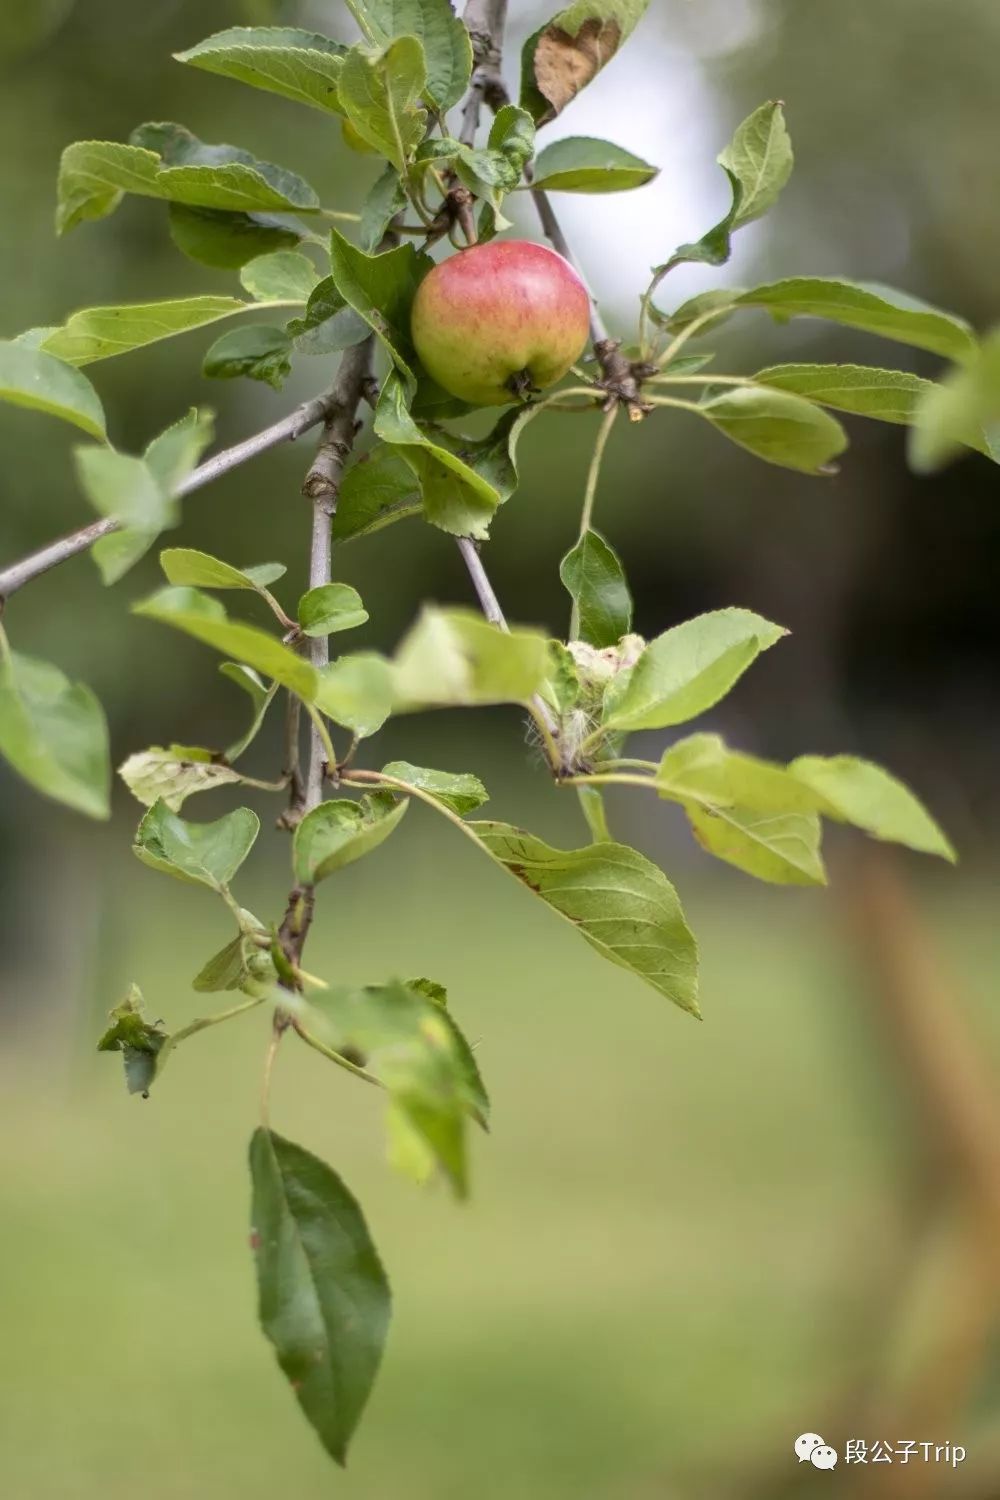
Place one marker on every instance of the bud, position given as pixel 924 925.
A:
pixel 596 668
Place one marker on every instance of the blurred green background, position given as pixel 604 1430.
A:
pixel 687 1244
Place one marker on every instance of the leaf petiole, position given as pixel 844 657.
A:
pixel 590 495
pixel 324 734
pixel 706 379
pixel 695 326
pixel 332 1056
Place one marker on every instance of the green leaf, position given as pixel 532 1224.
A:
pixel 261 696
pixel 169 459
pixel 568 53
pixel 888 395
pixel 701 768
pixel 206 620
pixel 759 157
pixel 380 93
pixel 33 338
pixel 455 658
pixel 259 352
pixel 489 172
pixel 324 1301
pixel 713 249
pixel 619 902
pixel 757 162
pixel 282 276
pixel 490 175
pixel 563 687
pixel 777 427
pixel 177 450
pixel 688 669
pixel 463 481
pixel 856 791
pixel 94 176
pixel 125 489
pixel 385 200
pixel 139 1041
pixel 337 833
pixel 375 492
pixel 513 133
pixel 119 551
pixel 718 304
pixel 329 325
pixel 357 692
pixel 37 380
pixel 462 792
pixel 595 581
pixel 688 364
pixel 445 41
pixel 172 775
pixel 330 608
pixel 200 853
pixel 102 332
pixel 53 732
pixel 381 289
pixel 749 812
pixel 958 411
pixel 869 307
pixel 438 995
pixel 409 1043
pixel 581 164
pixel 227 240
pixel 298 65
pixel 240 965
pixel 782 848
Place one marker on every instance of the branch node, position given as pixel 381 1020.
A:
pixel 622 378
pixel 296 923
pixel 322 482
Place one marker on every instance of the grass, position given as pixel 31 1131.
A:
pixel 679 1238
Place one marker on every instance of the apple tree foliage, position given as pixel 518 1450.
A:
pixel 312 285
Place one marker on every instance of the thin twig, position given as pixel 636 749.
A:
pixel 491 607
pixel 488 600
pixel 277 1032
pixel 553 231
pixel 308 415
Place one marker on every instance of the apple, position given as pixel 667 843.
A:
pixel 497 321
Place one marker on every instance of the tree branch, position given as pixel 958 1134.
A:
pixel 308 415
pixel 322 486
pixel 485 21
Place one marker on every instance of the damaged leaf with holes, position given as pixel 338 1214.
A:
pixel 138 1039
